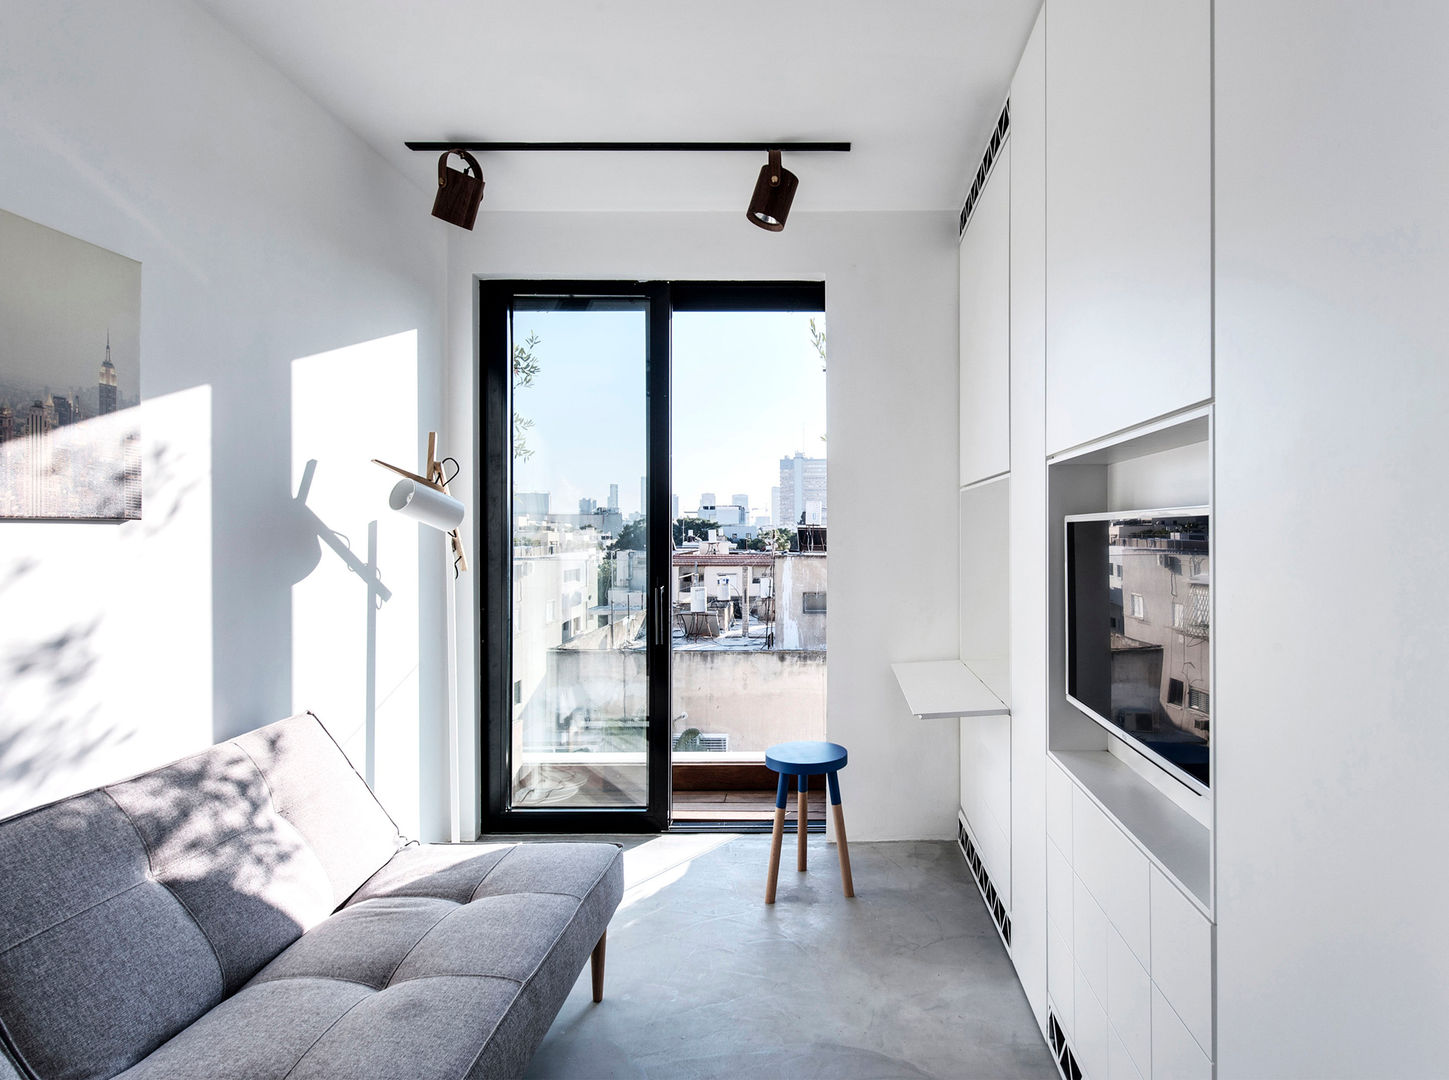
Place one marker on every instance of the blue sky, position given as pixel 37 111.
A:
pixel 748 390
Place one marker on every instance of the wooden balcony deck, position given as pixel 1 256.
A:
pixel 752 806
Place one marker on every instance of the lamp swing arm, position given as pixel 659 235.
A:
pixel 409 475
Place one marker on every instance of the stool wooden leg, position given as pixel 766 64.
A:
pixel 844 848
pixel 777 835
pixel 800 825
pixel 596 967
pixel 845 879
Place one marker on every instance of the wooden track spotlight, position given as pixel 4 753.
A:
pixel 459 193
pixel 774 192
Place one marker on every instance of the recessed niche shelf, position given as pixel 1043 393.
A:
pixel 1169 433
pixel 1164 463
pixel 1177 842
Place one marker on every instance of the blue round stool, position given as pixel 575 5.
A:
pixel 803 760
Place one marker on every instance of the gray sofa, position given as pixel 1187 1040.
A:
pixel 252 912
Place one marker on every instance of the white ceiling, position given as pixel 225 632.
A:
pixel 915 85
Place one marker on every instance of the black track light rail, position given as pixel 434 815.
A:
pixel 637 147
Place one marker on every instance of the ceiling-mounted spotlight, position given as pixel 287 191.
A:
pixel 459 193
pixel 774 192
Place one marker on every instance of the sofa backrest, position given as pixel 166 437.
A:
pixel 128 911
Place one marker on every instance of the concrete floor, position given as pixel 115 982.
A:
pixel 909 979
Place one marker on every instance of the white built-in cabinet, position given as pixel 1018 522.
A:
pixel 1026 518
pixel 986 740
pixel 1129 953
pixel 1227 241
pixel 989 745
pixel 986 330
pixel 1086 385
pixel 1003 506
pixel 1129 214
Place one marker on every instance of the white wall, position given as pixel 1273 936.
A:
pixel 890 294
pixel 291 310
pixel 1332 387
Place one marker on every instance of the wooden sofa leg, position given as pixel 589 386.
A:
pixel 596 967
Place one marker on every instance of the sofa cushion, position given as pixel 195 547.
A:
pixel 314 788
pixel 130 911
pixel 444 871
pixel 243 872
pixel 415 987
pixel 99 963
pixel 464 872
pixel 261 1031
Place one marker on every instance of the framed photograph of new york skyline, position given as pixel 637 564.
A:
pixel 70 378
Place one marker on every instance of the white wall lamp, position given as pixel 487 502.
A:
pixel 426 497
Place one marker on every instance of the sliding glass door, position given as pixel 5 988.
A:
pixel 575 428
pixel 589 570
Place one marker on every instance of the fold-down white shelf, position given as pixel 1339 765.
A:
pixel 941 688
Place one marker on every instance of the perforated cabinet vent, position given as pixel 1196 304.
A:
pixel 1061 1052
pixel 983 882
pixel 988 160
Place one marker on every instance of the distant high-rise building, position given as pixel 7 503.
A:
pixel 643 494
pixel 613 496
pixel 65 412
pixel 722 513
pixel 7 423
pixel 775 518
pixel 674 507
pixel 131 477
pixel 530 504
pixel 588 506
pixel 742 501
pixel 802 483
pixel 107 389
pixel 37 452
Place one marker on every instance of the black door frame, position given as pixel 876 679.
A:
pixel 494 657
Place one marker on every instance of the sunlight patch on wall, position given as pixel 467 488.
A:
pixel 105 660
pixel 355 604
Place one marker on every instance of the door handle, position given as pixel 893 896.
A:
pixel 659 637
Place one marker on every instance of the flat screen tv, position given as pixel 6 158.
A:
pixel 1139 604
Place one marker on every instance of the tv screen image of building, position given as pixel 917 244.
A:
pixel 1138 633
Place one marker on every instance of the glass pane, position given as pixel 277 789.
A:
pixel 580 690
pixel 748 573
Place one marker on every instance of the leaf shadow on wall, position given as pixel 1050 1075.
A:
pixel 63 719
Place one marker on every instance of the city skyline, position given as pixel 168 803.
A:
pixel 681 506
pixel 70 315
pixel 752 380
